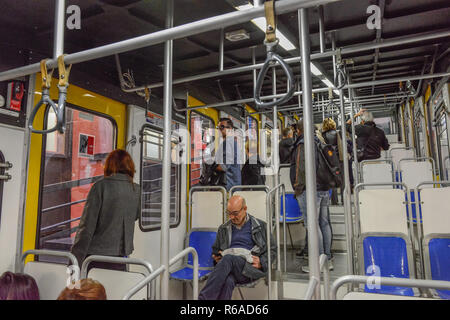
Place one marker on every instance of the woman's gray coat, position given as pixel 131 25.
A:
pixel 107 223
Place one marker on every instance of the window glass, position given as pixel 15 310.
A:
pixel 72 162
pixel 151 182
pixel 202 144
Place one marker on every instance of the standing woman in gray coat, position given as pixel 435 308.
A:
pixel 112 206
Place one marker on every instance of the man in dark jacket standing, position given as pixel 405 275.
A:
pixel 369 138
pixel 286 145
pixel 247 234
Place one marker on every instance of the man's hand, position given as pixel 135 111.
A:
pixel 218 257
pixel 256 262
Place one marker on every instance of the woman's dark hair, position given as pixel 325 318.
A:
pixel 18 286
pixel 119 161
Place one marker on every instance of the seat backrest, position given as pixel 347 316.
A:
pixel 377 173
pixel 435 210
pixel 436 233
pixel 383 210
pixel 118 283
pixel 292 207
pixel 256 203
pixel 385 243
pixel 415 172
pixel 202 241
pixel 51 278
pixel 398 154
pixel 285 178
pixel 207 209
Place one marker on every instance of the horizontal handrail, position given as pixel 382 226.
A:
pixel 141 284
pixel 54 253
pixel 162 268
pixel 60 224
pixel 432 182
pixel 182 254
pixel 63 205
pixel 262 187
pixel 387 281
pixel 110 259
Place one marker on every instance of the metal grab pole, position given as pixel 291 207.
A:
pixel 276 166
pixel 310 164
pixel 58 40
pixel 355 153
pixel 221 49
pixel 347 195
pixel 167 113
pixel 321 30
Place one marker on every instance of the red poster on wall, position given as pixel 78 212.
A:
pixel 87 143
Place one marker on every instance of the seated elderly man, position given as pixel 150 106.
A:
pixel 240 251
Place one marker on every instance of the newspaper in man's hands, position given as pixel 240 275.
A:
pixel 242 252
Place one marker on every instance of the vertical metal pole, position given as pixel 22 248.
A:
pixel 58 39
pixel 254 70
pixel 321 30
pixel 310 164
pixel 355 153
pixel 333 47
pixel 167 113
pixel 347 195
pixel 221 50
pixel 276 167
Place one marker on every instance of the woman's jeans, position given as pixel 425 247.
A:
pixel 323 219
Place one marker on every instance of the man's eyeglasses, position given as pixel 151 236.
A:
pixel 234 213
pixel 221 127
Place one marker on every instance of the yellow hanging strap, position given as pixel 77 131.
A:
pixel 46 77
pixel 63 72
pixel 330 94
pixel 271 26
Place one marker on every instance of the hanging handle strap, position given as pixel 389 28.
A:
pixel 271 42
pixel 58 109
pixel 45 99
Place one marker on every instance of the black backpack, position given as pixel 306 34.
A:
pixel 327 166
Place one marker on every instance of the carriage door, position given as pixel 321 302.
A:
pixel 67 165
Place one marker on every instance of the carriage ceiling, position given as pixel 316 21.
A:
pixel 26 31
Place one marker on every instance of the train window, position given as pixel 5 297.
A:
pixel 202 143
pixel 151 182
pixel 72 162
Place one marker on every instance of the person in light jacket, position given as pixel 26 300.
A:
pixel 112 207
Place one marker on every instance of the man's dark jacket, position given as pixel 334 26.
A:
pixel 285 148
pixel 259 236
pixel 377 141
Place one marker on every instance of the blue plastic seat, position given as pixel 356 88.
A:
pixel 201 241
pixel 293 213
pixel 390 256
pixel 439 250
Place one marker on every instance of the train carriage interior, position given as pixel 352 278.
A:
pixel 81 78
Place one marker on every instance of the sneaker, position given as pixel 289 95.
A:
pixel 305 269
pixel 330 264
